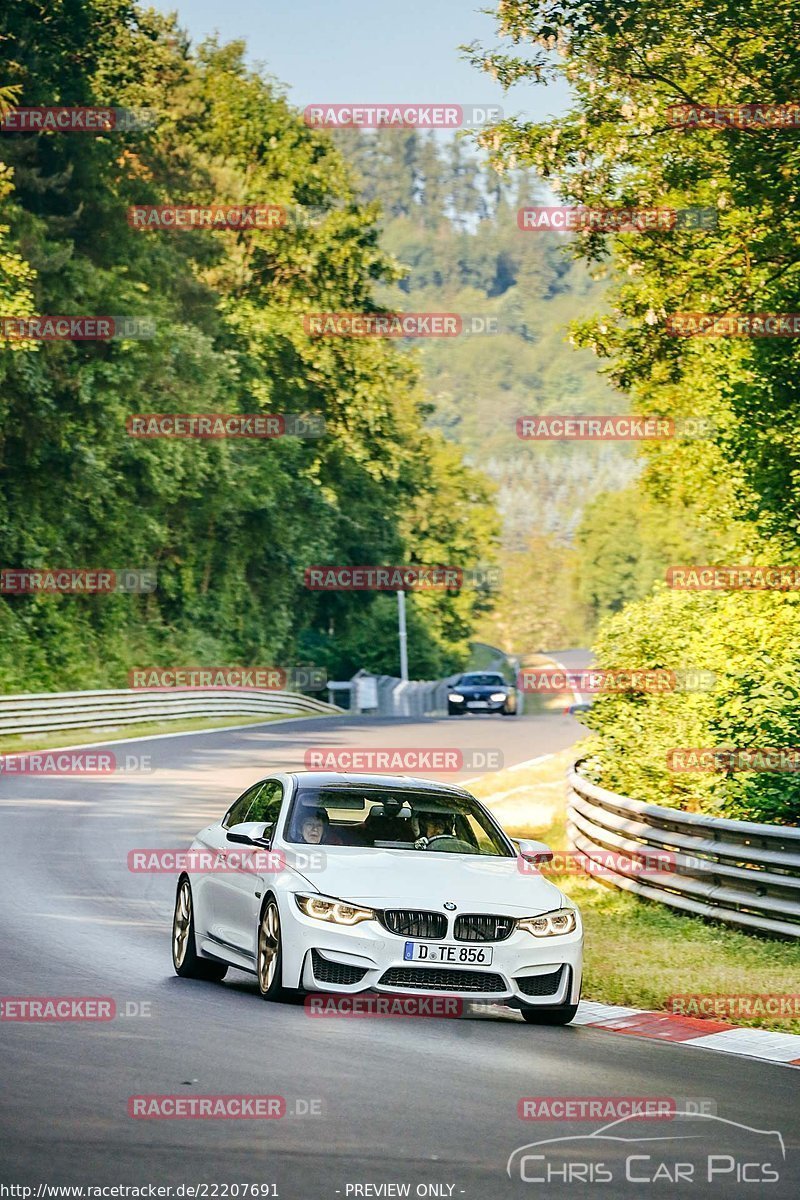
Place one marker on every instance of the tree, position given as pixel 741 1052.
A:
pixel 229 526
pixel 618 148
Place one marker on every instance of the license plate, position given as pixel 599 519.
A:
pixel 477 704
pixel 459 955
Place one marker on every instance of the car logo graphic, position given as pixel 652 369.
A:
pixel 449 905
pixel 692 1131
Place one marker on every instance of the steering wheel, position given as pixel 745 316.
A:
pixel 457 845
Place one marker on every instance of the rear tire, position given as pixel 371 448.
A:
pixel 551 1016
pixel 185 959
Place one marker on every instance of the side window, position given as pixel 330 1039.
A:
pixel 239 809
pixel 267 804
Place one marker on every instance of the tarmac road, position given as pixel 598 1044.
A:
pixel 372 1102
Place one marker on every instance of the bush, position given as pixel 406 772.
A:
pixel 751 641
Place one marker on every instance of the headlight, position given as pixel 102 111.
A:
pixel 563 920
pixel 337 912
pixel 497 696
pixel 456 697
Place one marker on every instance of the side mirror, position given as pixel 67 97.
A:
pixel 251 833
pixel 534 852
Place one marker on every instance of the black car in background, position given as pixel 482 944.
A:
pixel 481 691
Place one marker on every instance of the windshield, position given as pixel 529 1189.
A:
pixel 482 681
pixel 393 819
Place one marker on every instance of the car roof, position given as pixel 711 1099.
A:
pixel 373 780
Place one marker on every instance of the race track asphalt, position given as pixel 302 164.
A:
pixel 371 1102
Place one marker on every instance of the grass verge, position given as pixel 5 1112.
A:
pixel 107 733
pixel 638 952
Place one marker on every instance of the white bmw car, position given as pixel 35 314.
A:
pixel 325 882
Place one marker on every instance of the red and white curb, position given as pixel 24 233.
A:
pixel 766 1044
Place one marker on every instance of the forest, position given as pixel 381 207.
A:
pixel 227 526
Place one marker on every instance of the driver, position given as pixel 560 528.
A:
pixel 432 825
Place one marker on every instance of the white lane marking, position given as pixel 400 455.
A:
pixel 529 762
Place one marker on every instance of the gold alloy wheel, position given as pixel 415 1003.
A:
pixel 269 942
pixel 182 923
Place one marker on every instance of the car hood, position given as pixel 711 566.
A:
pixel 422 879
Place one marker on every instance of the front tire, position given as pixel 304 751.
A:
pixel 550 1016
pixel 269 960
pixel 185 959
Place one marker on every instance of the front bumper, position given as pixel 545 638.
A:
pixel 524 971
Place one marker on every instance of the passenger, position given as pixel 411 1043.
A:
pixel 314 826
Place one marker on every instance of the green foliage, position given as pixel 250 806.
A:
pixel 624 544
pixel 728 498
pixel 229 526
pixel 616 148
pixel 537 606
pixel 452 222
pixel 749 641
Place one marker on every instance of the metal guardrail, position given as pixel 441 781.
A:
pixel 411 698
pixel 394 697
pixel 390 696
pixel 38 713
pixel 740 872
